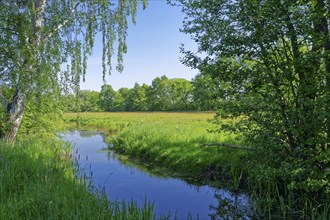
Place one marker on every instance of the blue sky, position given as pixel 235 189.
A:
pixel 153 50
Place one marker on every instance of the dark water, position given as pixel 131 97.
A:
pixel 126 182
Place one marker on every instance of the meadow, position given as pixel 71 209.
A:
pixel 170 143
pixel 37 180
pixel 173 144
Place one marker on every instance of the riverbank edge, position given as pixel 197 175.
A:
pixel 265 197
pixel 37 181
pixel 231 179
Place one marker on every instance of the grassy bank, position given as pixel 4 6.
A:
pixel 37 182
pixel 170 143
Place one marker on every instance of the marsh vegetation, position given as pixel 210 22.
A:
pixel 171 143
pixel 123 180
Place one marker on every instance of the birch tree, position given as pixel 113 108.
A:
pixel 40 37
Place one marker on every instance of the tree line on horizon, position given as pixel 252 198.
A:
pixel 164 94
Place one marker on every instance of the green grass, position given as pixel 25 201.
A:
pixel 170 143
pixel 37 183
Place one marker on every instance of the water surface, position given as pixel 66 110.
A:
pixel 126 182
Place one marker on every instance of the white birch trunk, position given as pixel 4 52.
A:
pixel 16 106
pixel 15 111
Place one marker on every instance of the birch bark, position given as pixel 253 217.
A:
pixel 16 107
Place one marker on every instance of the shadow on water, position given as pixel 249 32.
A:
pixel 122 180
pixel 233 207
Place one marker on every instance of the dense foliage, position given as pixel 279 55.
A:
pixel 273 61
pixel 164 94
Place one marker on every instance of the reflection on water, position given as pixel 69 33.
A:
pixel 126 182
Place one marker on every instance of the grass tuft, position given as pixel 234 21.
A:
pixel 35 183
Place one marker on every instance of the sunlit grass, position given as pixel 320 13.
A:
pixel 37 183
pixel 170 143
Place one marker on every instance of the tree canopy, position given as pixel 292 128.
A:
pixel 39 38
pixel 273 58
pixel 163 94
